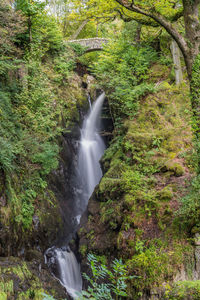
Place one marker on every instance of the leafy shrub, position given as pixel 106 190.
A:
pixel 122 69
pixel 104 283
pixel 190 206
pixel 47 157
pixel 78 49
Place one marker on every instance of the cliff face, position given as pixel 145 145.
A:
pixel 30 212
pixel 134 213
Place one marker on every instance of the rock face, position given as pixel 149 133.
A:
pixel 27 280
pixel 44 231
pixel 62 182
pixel 90 240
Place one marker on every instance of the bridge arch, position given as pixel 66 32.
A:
pixel 91 44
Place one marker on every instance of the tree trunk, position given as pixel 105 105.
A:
pixel 192 30
pixel 78 31
pixel 177 62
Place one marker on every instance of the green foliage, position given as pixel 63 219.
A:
pixel 64 65
pixel 153 264
pixel 46 157
pixel 114 281
pixel 33 93
pixel 29 8
pixel 46 34
pixel 42 33
pixel 122 69
pixel 79 50
pixel 190 206
pixel 149 264
pixel 132 181
pixel 9 132
pixel 48 297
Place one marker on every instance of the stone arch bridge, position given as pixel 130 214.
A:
pixel 91 44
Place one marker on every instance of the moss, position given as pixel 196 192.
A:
pixel 164 86
pixel 165 194
pixel 31 294
pixel 6 286
pixel 195 229
pixel 83 250
pixel 183 290
pixel 151 265
pixel 3 296
pixel 159 72
pixel 22 280
pixel 173 167
pixel 109 184
pixel 21 271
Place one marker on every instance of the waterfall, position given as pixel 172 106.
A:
pixel 89 101
pixel 69 272
pixel 91 149
pixel 90 152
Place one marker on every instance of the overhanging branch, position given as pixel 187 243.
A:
pixel 162 21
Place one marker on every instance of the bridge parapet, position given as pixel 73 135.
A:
pixel 92 44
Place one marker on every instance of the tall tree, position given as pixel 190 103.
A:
pixel 29 8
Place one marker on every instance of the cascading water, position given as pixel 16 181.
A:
pixel 90 152
pixel 91 149
pixel 69 272
pixel 89 101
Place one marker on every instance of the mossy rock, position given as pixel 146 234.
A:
pixel 195 229
pixel 164 86
pixel 184 290
pixel 158 72
pixel 173 167
pixel 26 280
pixel 165 194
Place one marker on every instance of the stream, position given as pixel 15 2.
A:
pixel 88 175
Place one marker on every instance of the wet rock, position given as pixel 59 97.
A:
pixel 34 255
pixel 21 279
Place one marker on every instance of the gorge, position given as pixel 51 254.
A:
pixel 131 224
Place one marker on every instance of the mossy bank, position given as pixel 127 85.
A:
pixel 135 211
